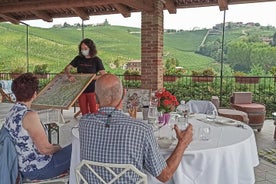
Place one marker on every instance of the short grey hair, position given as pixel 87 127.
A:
pixel 108 89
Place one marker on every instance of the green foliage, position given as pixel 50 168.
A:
pixel 205 72
pixel 132 72
pixel 18 69
pixel 41 69
pixel 273 70
pixel 58 46
pixel 239 74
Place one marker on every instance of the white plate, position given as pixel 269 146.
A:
pixel 227 121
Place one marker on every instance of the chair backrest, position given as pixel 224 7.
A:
pixel 117 171
pixel 63 178
pixel 5 90
pixel 201 106
pixel 241 98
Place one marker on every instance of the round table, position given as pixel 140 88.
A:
pixel 228 157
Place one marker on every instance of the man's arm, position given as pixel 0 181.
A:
pixel 184 139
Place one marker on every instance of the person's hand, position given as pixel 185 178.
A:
pixel 184 137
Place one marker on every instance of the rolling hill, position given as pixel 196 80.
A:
pixel 58 46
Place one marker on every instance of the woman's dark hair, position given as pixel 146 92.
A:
pixel 24 87
pixel 91 45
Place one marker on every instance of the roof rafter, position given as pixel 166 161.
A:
pixel 147 7
pixel 81 13
pixel 10 19
pixel 223 5
pixel 43 15
pixel 49 4
pixel 170 6
pixel 122 9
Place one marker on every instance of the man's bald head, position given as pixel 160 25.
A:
pixel 109 90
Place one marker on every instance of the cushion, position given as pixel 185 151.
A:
pixel 253 107
pixel 242 97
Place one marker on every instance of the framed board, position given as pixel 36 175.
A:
pixel 61 93
pixel 136 97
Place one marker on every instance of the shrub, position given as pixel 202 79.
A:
pixel 40 69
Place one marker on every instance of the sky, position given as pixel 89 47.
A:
pixel 186 19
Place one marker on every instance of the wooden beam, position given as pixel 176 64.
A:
pixel 122 9
pixel 223 5
pixel 10 19
pixel 50 4
pixel 81 13
pixel 170 6
pixel 43 15
pixel 139 5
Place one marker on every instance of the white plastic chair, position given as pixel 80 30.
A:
pixel 108 166
pixel 201 106
pixel 60 179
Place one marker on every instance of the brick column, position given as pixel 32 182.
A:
pixel 152 48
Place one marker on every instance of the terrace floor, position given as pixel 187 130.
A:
pixel 265 172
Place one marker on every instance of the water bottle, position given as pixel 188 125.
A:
pixel 153 100
pixel 153 112
pixel 183 111
pixel 152 115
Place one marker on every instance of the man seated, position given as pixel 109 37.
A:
pixel 110 136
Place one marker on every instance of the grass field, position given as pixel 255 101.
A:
pixel 58 46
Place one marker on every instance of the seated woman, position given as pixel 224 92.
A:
pixel 37 158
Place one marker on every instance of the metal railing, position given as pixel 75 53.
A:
pixel 187 87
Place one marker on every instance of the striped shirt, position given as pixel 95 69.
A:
pixel 126 141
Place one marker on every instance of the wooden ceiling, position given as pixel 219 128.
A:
pixel 15 11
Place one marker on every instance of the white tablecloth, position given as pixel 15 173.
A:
pixel 228 157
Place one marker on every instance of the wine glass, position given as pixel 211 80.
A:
pixel 211 115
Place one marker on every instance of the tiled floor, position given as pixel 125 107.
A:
pixel 265 172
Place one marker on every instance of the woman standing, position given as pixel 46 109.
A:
pixel 37 158
pixel 87 62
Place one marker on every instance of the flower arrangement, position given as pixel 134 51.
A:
pixel 166 101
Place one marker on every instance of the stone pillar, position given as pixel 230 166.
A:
pixel 152 33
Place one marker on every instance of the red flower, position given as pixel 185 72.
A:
pixel 166 101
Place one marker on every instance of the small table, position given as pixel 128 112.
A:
pixel 234 114
pixel 274 117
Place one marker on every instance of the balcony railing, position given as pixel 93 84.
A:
pixel 186 87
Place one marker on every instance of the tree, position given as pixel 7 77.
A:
pixel 274 40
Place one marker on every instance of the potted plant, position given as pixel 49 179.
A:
pixel 167 103
pixel 132 75
pixel 206 75
pixel 172 74
pixel 243 78
pixel 41 71
pixel 15 72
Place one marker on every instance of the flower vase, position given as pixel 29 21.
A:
pixel 166 117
